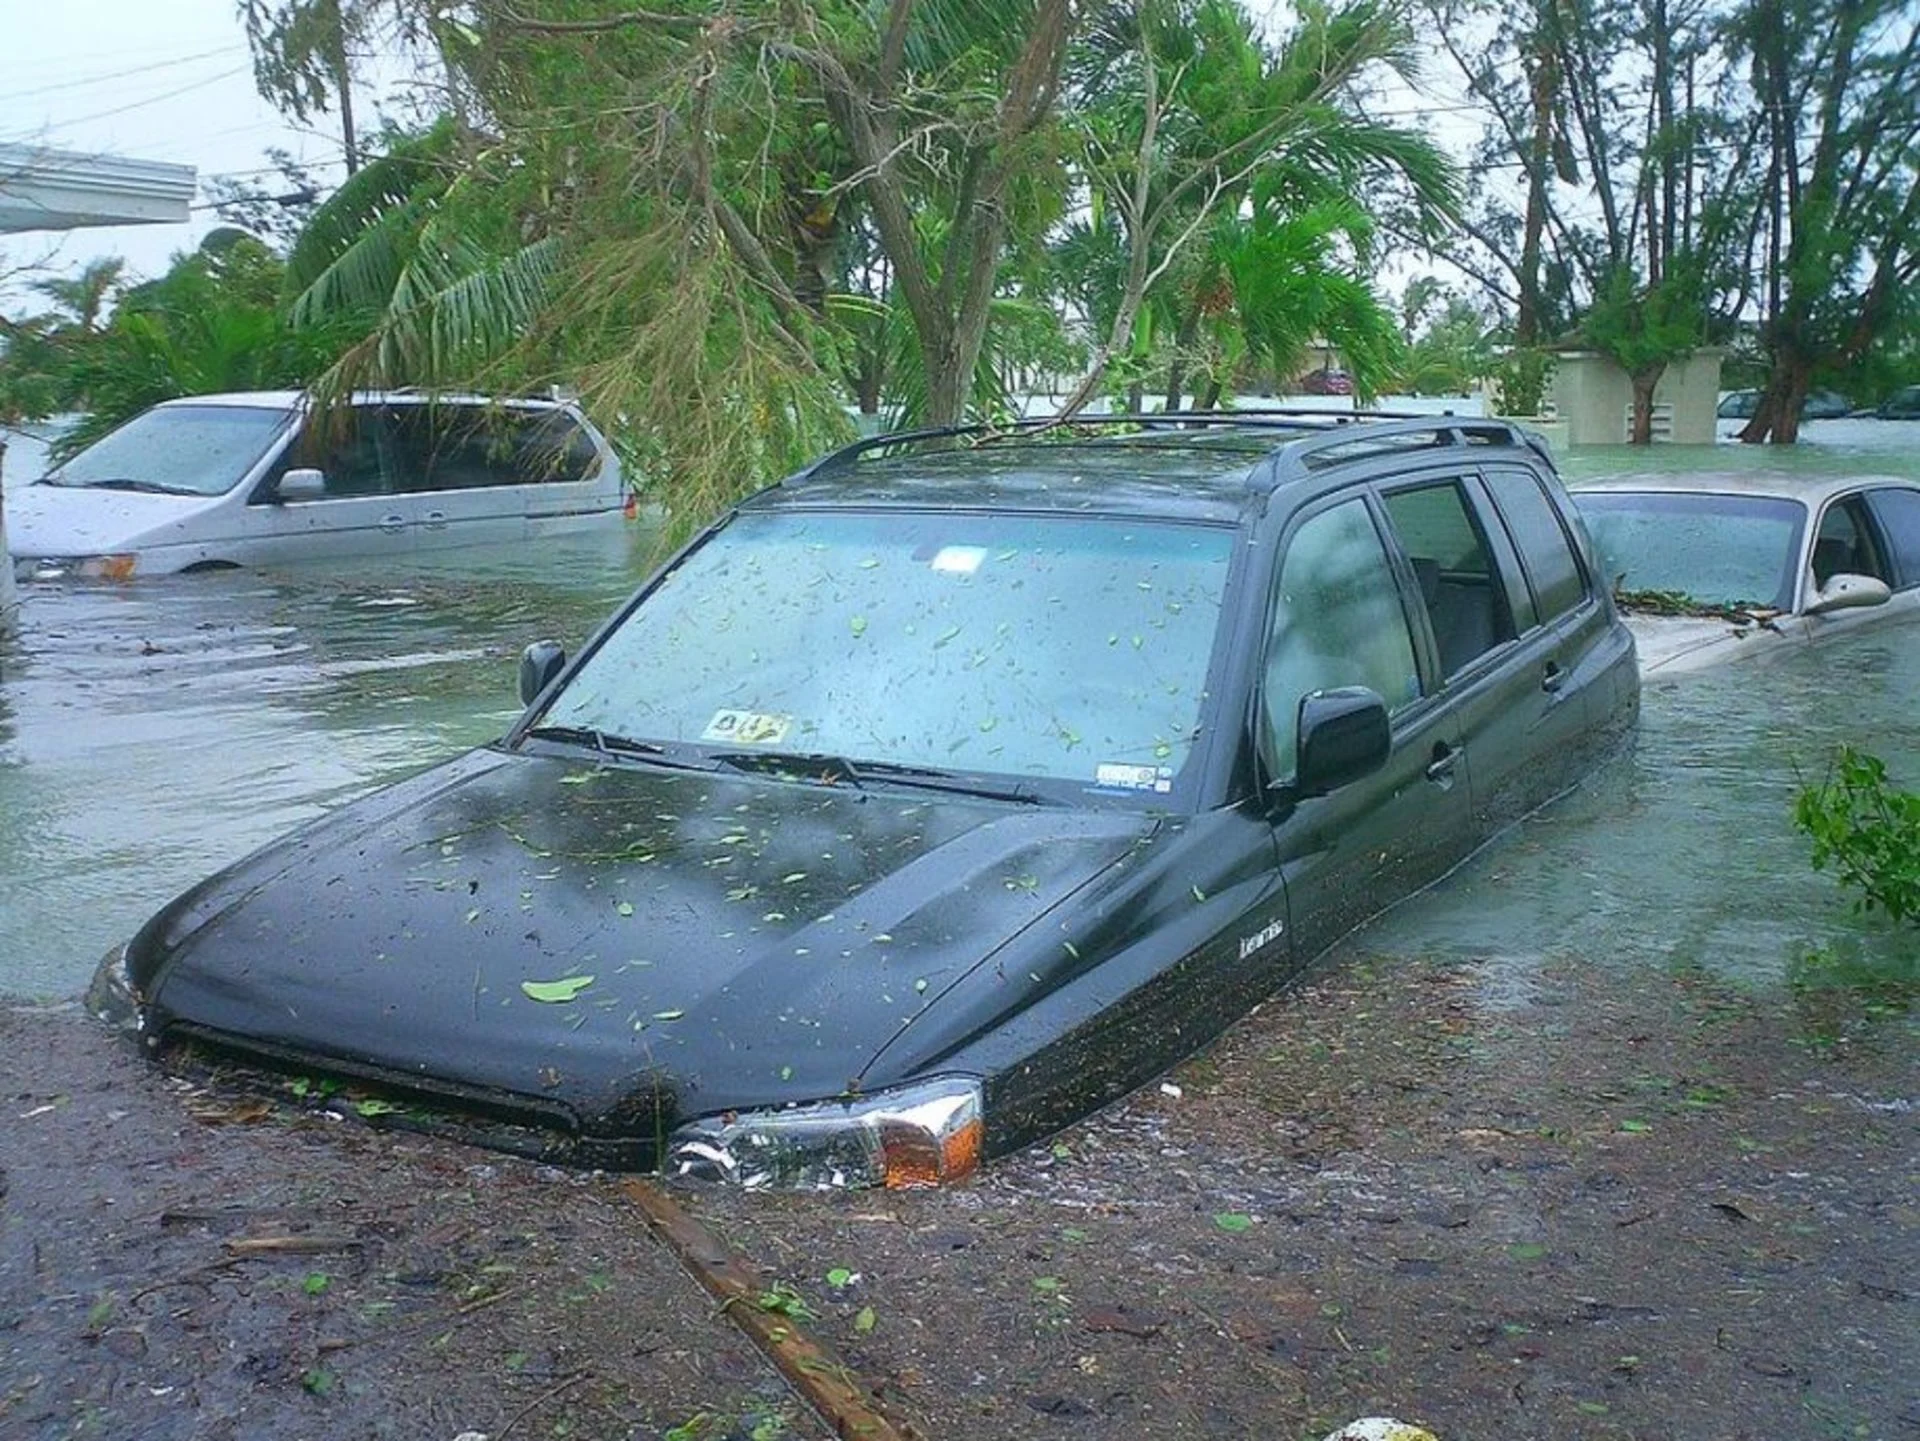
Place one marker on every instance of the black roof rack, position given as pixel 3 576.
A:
pixel 1316 439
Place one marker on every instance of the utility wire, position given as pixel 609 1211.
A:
pixel 138 104
pixel 107 75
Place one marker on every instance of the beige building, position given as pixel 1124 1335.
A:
pixel 1593 397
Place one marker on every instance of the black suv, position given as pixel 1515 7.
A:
pixel 932 797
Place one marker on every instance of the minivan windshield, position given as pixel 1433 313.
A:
pixel 1060 647
pixel 177 450
pixel 1729 550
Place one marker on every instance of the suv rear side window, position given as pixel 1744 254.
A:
pixel 1541 538
pixel 1465 601
pixel 1898 511
pixel 1337 621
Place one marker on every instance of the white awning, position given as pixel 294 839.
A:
pixel 44 189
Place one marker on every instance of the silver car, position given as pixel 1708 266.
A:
pixel 215 481
pixel 1710 567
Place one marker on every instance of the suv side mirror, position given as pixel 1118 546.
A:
pixel 1344 735
pixel 1847 592
pixel 539 664
pixel 303 484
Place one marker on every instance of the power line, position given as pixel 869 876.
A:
pixel 107 75
pixel 142 104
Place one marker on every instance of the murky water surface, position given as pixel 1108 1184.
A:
pixel 151 733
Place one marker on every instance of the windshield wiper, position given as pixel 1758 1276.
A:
pixel 611 745
pixel 838 770
pixel 120 482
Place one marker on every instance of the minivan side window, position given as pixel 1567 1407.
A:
pixel 1337 621
pixel 1898 511
pixel 453 447
pixel 1541 538
pixel 1465 601
pixel 345 446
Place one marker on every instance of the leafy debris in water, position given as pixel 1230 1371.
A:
pixel 556 993
pixel 1678 602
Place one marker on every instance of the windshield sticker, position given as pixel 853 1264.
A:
pixel 1134 778
pixel 746 727
pixel 959 559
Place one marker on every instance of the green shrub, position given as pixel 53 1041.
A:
pixel 1867 830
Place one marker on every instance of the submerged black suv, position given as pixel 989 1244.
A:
pixel 931 798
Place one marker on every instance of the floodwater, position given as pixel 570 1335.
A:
pixel 152 732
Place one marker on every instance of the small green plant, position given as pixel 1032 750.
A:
pixel 1522 379
pixel 1867 831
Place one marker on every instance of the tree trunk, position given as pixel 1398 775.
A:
pixel 1777 417
pixel 1641 431
pixel 1183 338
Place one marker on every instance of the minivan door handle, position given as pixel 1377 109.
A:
pixel 1440 768
pixel 436 520
pixel 1552 677
pixel 393 524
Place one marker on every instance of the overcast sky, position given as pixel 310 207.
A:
pixel 147 79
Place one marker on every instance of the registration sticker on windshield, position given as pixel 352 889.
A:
pixel 747 727
pixel 1134 778
pixel 959 559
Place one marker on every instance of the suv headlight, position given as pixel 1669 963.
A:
pixel 925 1134
pixel 111 996
pixel 89 567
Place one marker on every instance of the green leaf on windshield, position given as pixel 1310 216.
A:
pixel 858 625
pixel 556 992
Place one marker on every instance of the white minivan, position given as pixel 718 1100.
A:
pixel 215 481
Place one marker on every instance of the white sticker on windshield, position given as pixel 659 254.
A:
pixel 1133 778
pixel 746 727
pixel 959 559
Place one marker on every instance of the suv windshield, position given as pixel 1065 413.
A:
pixel 1070 648
pixel 1715 549
pixel 177 449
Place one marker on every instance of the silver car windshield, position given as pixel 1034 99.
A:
pixel 177 450
pixel 1070 648
pixel 1715 549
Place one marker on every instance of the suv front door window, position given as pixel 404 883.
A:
pixel 1337 621
pixel 1338 618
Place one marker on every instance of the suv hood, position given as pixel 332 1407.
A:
pixel 58 520
pixel 725 941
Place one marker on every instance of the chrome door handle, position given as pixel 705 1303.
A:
pixel 393 524
pixel 1552 678
pixel 1445 758
pixel 436 520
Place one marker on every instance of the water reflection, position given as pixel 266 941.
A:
pixel 1684 852
pixel 151 733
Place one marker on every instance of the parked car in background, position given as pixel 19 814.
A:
pixel 218 481
pixel 1714 567
pixel 1903 404
pixel 1819 405
pixel 1326 381
pixel 932 798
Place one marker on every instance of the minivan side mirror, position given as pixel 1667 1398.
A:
pixel 1344 735
pixel 539 664
pixel 302 484
pixel 1846 592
